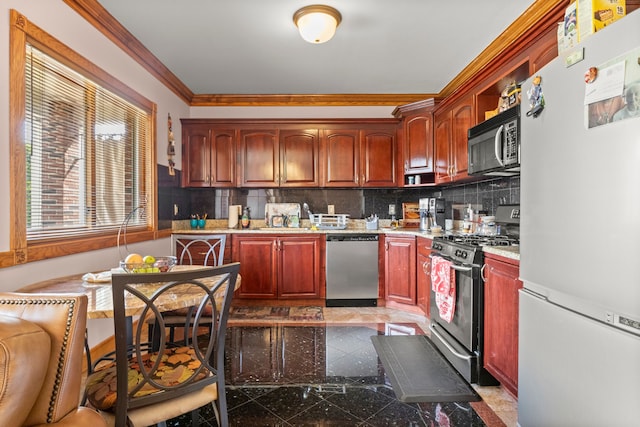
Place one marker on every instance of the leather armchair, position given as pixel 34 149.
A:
pixel 41 355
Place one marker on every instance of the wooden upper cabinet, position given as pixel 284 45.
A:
pixel 340 158
pixel 378 158
pixel 545 49
pixel 442 142
pixel 418 147
pixel 259 158
pixel 451 147
pixel 289 153
pixel 462 116
pixel 223 158
pixel 363 157
pixel 208 158
pixel 196 162
pixel 417 140
pixel 299 163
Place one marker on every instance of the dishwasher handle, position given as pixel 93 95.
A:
pixel 352 237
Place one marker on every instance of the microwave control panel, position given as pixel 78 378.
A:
pixel 510 154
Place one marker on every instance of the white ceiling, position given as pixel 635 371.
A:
pixel 253 47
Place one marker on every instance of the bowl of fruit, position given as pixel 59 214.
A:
pixel 136 263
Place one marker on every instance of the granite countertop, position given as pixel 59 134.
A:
pixel 511 252
pixel 258 226
pixel 219 226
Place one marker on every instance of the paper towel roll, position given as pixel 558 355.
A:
pixel 234 212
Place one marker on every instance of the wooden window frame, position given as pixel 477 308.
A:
pixel 22 31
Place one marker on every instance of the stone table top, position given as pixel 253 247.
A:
pixel 100 296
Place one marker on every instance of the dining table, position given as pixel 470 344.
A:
pixel 97 288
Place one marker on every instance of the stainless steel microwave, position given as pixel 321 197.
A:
pixel 494 145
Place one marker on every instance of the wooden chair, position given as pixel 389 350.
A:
pixel 149 383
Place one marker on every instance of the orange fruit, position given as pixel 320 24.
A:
pixel 133 259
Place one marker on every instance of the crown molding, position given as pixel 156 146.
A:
pixel 307 100
pixel 533 19
pixel 103 21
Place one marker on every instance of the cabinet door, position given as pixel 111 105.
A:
pixel 223 158
pixel 196 159
pixel 378 161
pixel 299 267
pixel 299 150
pixel 418 144
pixel 501 320
pixel 340 158
pixel 400 269
pixel 443 137
pixel 423 274
pixel 545 50
pixel 258 266
pixel 462 119
pixel 259 158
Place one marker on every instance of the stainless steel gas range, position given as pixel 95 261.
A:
pixel 460 336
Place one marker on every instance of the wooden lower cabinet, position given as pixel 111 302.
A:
pixel 400 269
pixel 501 320
pixel 279 267
pixel 423 274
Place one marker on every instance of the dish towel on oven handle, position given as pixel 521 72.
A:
pixel 443 284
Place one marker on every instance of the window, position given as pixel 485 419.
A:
pixel 84 150
pixel 84 157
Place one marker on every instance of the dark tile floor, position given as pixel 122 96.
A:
pixel 325 375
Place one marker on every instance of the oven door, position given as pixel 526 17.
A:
pixel 464 325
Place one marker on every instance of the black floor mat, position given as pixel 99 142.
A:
pixel 418 372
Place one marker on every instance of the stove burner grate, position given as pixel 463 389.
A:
pixel 477 240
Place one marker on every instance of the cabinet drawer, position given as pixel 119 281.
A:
pixel 423 246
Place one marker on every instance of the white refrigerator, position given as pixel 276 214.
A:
pixel 579 330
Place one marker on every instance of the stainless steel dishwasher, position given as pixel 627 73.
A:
pixel 352 270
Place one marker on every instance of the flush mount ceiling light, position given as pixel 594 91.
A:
pixel 317 23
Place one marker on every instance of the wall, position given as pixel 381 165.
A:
pixel 60 21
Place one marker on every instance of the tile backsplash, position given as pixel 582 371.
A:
pixel 358 203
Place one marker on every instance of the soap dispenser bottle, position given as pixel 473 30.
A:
pixel 246 217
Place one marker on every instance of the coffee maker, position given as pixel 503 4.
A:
pixel 432 212
pixel 426 220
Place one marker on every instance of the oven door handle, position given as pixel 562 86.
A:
pixel 446 344
pixel 455 266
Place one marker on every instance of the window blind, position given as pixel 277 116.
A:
pixel 87 152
